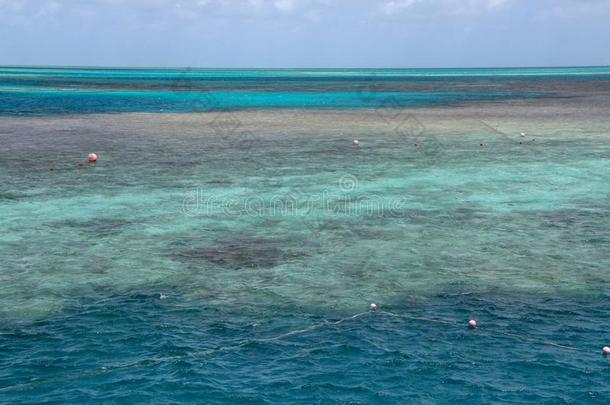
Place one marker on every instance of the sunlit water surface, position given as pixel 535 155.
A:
pixel 176 268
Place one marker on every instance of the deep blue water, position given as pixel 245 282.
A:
pixel 138 348
pixel 147 278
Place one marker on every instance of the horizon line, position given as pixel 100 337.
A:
pixel 36 66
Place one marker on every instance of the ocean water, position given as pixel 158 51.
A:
pixel 45 91
pixel 228 243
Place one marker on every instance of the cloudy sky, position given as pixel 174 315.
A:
pixel 305 33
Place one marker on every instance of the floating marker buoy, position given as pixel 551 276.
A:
pixel 355 142
pixel 522 134
pixel 606 350
pixel 92 158
pixel 373 307
pixel 472 324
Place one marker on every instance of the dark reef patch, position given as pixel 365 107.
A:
pixel 99 226
pixel 243 253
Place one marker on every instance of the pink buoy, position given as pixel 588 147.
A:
pixel 373 307
pixel 606 350
pixel 355 142
pixel 92 158
pixel 472 324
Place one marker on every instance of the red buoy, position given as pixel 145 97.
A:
pixel 92 158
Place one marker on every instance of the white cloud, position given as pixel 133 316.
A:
pixel 304 9
pixel 395 7
pixel 567 8
pixel 285 5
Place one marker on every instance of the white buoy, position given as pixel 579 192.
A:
pixel 355 142
pixel 92 158
pixel 373 307
pixel 606 350
pixel 472 324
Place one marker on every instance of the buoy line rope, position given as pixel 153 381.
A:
pixel 419 318
pixel 502 332
pixel 154 361
pixel 542 342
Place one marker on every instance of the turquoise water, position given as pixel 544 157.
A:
pixel 43 91
pixel 233 264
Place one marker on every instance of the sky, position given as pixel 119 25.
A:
pixel 305 33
